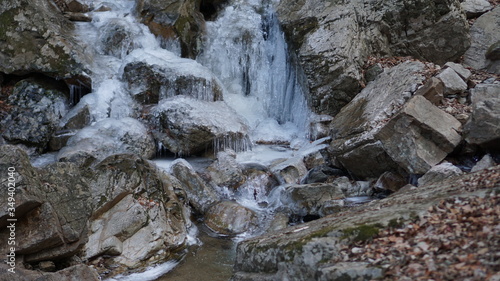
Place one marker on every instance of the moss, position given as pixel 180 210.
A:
pixel 361 233
pixel 396 223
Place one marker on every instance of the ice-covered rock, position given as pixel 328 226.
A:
pixel 230 218
pixel 188 126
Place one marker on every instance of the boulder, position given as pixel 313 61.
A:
pixel 259 181
pixel 289 171
pixel 351 270
pixel 433 90
pixel 37 108
pixel 464 73
pixel 200 195
pixel 174 19
pixel 483 127
pixel 475 8
pixel 107 137
pixel 73 273
pixel 116 38
pixel 166 75
pixel 188 126
pixel 225 171
pixel 420 136
pixel 77 118
pixel 321 174
pixel 483 92
pixel 333 40
pixel 453 83
pixel 390 181
pixel 353 130
pixel 484 34
pixel 438 173
pixel 35 37
pixel 485 162
pixel 317 199
pixel 230 218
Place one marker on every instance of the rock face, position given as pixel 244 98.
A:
pixel 334 39
pixel 230 218
pixel 485 34
pixel 107 137
pixel 151 83
pixel 314 199
pixel 174 19
pixel 35 37
pixel 188 126
pixel 37 109
pixel 310 250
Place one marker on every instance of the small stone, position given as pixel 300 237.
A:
pixel 439 172
pixel 432 90
pixel 475 8
pixel 47 266
pixel 356 250
pixel 486 162
pixel 460 70
pixel 453 83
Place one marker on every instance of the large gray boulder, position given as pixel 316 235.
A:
pixel 483 127
pixel 334 39
pixel 107 137
pixel 188 126
pixel 225 171
pixel 316 199
pixel 230 218
pixel 152 82
pixel 475 8
pixel 485 34
pixel 35 37
pixel 37 107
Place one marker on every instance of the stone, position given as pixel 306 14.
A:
pixel 493 52
pixel 290 171
pixel 483 127
pixel 483 92
pixel 453 83
pixel 321 174
pixel 151 82
pixel 36 38
pixel 225 171
pixel 77 118
pixel 390 181
pixel 433 90
pixel 230 218
pixel 484 33
pixel 73 273
pixel 420 136
pixel 319 125
pixel 259 181
pixel 172 19
pixel 475 8
pixel 107 137
pixel 37 109
pixel 353 130
pixel 47 266
pixel 299 252
pixel 187 126
pixel 200 195
pixel 317 199
pixel 464 73
pixel 438 173
pixel 279 222
pixel 351 270
pixel 334 40
pixel 485 163
pixel 116 38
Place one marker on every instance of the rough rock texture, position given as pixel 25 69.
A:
pixel 230 218
pixel 475 8
pixel 420 136
pixel 485 163
pixel 484 34
pixel 353 130
pixel 390 181
pixel 188 126
pixel 315 199
pixel 174 19
pixel 438 173
pixel 484 92
pixel 151 83
pixel 107 137
pixel 200 195
pixel 225 171
pixel 483 127
pixel 116 38
pixel 289 171
pixel 453 83
pixel 37 108
pixel 73 273
pixel 35 37
pixel 433 90
pixel 305 251
pixel 334 39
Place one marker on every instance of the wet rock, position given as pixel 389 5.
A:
pixel 225 171
pixel 188 126
pixel 229 218
pixel 321 174
pixel 483 127
pixel 259 179
pixel 353 130
pixel 174 19
pixel 77 118
pixel 390 181
pixel 352 270
pixel 475 8
pixel 200 195
pixel 433 90
pixel 37 38
pixel 116 38
pixel 453 83
pixel 438 173
pixel 420 136
pixel 313 199
pixel 314 153
pixel 289 171
pixel 279 222
pixel 107 137
pixel 484 33
pixel 319 126
pixel 485 162
pixel 37 109
pixel 334 40
pixel 153 81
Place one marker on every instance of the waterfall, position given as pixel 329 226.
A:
pixel 246 49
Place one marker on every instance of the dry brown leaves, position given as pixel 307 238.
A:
pixel 456 240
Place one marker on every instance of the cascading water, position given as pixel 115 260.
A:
pixel 246 49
